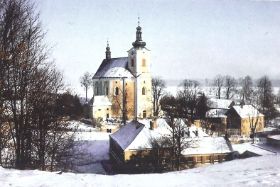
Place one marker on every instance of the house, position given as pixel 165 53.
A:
pixel 242 118
pixel 134 140
pixel 217 112
pixel 124 83
pixel 206 150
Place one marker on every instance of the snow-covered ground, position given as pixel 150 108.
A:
pixel 92 147
pixel 260 149
pixel 256 171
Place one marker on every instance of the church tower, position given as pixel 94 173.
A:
pixel 139 64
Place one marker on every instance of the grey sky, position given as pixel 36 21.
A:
pixel 188 39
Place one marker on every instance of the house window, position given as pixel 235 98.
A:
pixel 143 91
pixel 117 91
pixel 144 62
pixel 132 63
pixel 144 114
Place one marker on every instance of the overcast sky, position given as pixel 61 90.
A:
pixel 187 39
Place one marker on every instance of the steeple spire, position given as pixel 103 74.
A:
pixel 108 52
pixel 138 42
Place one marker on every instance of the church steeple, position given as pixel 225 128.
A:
pixel 138 42
pixel 108 52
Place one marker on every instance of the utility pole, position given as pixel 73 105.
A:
pixel 124 102
pixel 135 96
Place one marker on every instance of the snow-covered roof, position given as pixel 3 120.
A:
pixel 136 135
pixel 193 130
pixel 114 67
pixel 246 111
pixel 101 100
pixel 220 103
pixel 216 113
pixel 207 145
pixel 275 137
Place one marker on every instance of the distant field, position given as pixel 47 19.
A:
pixel 208 90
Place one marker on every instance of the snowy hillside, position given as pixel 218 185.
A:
pixel 257 171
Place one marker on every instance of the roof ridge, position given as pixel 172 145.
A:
pixel 141 125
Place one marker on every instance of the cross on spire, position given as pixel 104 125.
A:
pixel 108 52
pixel 139 42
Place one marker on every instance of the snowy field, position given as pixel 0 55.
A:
pixel 92 147
pixel 256 171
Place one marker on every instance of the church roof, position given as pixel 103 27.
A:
pixel 112 68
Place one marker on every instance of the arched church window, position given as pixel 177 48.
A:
pixel 117 91
pixel 144 62
pixel 132 62
pixel 143 91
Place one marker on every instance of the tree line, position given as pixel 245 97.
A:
pixel 31 103
pixel 192 101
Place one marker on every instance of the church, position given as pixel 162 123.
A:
pixel 122 86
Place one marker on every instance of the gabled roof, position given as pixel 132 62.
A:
pixel 220 103
pixel 126 134
pixel 114 67
pixel 246 111
pixel 135 135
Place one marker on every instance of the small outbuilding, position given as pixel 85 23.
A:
pixel 241 119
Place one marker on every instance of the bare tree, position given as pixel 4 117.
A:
pixel 177 140
pixel 29 86
pixel 188 97
pixel 202 106
pixel 21 44
pixel 230 86
pixel 265 98
pixel 218 83
pixel 278 98
pixel 247 89
pixel 254 121
pixel 86 82
pixel 158 86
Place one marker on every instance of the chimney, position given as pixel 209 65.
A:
pixel 242 103
pixel 153 124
